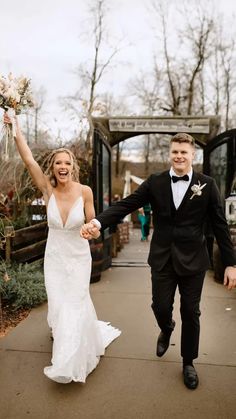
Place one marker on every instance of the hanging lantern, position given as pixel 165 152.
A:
pixel 230 209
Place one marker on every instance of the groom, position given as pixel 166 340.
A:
pixel 181 201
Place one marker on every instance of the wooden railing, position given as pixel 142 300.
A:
pixel 26 244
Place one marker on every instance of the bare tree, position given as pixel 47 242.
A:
pixel 39 96
pixel 220 78
pixel 146 88
pixel 172 93
pixel 202 94
pixel 171 76
pixel 227 59
pixel 216 80
pixel 183 72
pixel 86 99
pixel 114 107
pixel 199 37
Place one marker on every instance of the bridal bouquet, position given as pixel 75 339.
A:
pixel 15 96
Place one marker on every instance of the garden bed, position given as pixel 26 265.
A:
pixel 11 317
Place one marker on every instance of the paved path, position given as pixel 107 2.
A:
pixel 129 382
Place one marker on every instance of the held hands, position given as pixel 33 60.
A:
pixel 230 277
pixel 89 231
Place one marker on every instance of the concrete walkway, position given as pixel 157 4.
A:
pixel 130 382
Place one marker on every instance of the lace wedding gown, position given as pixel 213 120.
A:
pixel 79 338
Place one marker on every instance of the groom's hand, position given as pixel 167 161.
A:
pixel 89 231
pixel 230 277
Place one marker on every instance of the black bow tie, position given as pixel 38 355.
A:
pixel 177 178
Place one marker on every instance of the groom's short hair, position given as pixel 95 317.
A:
pixel 182 137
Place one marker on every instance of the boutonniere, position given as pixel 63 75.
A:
pixel 197 189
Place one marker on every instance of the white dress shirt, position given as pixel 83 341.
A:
pixel 179 188
pixel 96 223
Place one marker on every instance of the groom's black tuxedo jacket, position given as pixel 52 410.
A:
pixel 178 234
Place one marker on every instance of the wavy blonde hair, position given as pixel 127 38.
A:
pixel 50 161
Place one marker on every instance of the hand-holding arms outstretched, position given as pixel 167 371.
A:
pixel 113 214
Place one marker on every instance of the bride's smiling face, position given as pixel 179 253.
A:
pixel 63 167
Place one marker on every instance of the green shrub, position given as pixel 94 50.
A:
pixel 21 222
pixel 26 288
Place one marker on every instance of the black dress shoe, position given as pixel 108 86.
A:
pixel 190 377
pixel 163 341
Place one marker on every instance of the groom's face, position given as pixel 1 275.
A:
pixel 181 157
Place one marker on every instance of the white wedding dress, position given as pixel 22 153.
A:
pixel 79 338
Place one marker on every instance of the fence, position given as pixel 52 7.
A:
pixel 26 244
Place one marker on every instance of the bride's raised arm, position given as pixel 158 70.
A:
pixel 39 178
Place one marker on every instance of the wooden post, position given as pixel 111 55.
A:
pixel 8 233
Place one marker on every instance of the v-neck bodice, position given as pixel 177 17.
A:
pixel 75 218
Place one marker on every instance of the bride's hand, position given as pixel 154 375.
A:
pixel 10 119
pixel 89 231
pixel 7 119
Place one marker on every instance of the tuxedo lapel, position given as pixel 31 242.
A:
pixel 168 196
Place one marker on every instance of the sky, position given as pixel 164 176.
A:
pixel 42 40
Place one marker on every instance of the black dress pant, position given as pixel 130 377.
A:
pixel 164 284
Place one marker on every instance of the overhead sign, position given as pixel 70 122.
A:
pixel 159 125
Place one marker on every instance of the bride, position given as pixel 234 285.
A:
pixel 79 339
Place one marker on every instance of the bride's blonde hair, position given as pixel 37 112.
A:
pixel 50 161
